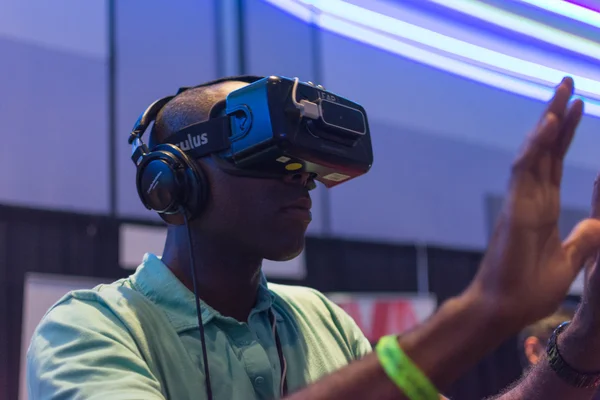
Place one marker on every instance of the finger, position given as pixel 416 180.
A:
pixel 540 141
pixel 582 243
pixel 569 126
pixel 563 92
pixel 544 137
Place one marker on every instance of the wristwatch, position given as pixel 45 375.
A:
pixel 567 373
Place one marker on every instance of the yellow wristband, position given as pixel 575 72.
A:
pixel 403 372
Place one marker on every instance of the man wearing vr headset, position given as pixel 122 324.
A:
pixel 142 334
pixel 138 338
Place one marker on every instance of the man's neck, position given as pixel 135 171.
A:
pixel 227 281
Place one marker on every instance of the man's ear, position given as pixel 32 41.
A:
pixel 534 349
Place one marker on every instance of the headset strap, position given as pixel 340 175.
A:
pixel 203 138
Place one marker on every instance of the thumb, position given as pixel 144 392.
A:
pixel 582 243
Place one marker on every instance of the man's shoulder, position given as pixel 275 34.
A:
pixel 113 313
pixel 101 295
pixel 112 328
pixel 115 301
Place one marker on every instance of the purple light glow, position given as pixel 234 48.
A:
pixel 592 5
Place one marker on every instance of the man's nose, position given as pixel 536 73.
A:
pixel 306 179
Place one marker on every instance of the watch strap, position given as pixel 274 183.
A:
pixel 567 373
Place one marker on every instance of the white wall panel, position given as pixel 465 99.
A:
pixel 66 25
pixel 53 79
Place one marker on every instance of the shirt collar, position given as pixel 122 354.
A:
pixel 157 283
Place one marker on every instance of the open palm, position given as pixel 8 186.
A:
pixel 526 270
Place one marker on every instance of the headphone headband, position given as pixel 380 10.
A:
pixel 142 123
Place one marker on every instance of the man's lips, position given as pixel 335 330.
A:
pixel 303 203
pixel 299 209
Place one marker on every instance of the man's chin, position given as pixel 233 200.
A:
pixel 285 252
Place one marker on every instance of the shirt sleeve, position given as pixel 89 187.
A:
pixel 358 343
pixel 362 345
pixel 81 350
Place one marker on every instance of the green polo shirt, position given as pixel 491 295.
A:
pixel 138 338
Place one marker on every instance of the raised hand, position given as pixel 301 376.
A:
pixel 581 341
pixel 527 271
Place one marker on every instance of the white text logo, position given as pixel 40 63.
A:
pixel 193 142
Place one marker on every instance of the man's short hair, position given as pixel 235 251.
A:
pixel 543 328
pixel 188 108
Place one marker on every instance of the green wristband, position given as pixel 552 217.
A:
pixel 403 372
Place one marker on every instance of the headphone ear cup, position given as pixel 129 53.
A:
pixel 160 182
pixel 194 194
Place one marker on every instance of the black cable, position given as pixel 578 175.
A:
pixel 198 309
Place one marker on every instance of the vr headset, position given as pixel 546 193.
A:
pixel 272 127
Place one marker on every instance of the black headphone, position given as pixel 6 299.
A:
pixel 168 181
